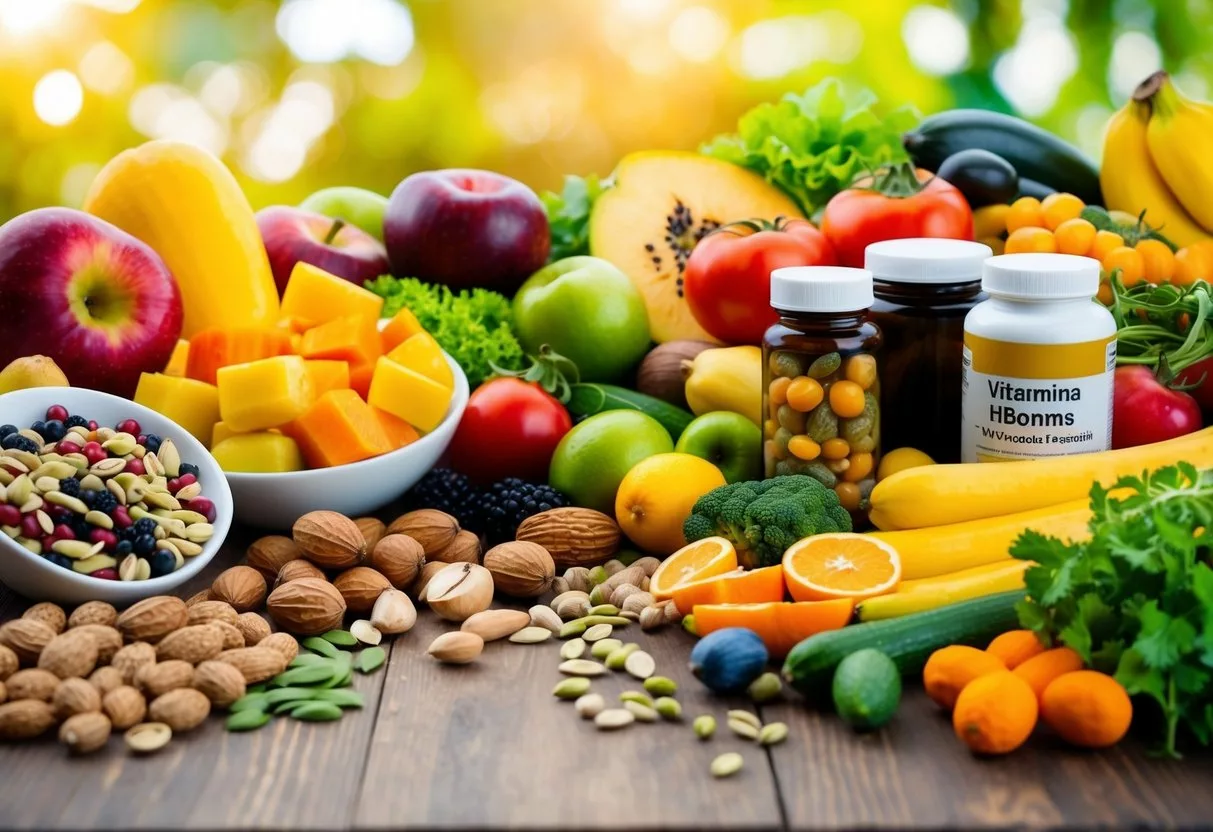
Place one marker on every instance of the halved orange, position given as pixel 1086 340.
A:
pixel 696 561
pixel 738 587
pixel 781 626
pixel 841 565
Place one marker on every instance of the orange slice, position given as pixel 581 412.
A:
pixel 696 561
pixel 780 626
pixel 740 587
pixel 842 565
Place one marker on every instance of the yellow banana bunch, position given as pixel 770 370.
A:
pixel 1131 182
pixel 1180 138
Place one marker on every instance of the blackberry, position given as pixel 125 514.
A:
pixel 162 563
pixel 188 468
pixel 75 422
pixel 144 526
pixel 144 545
pixel 59 560
pixel 70 486
pixel 105 502
pixel 7 431
pixel 508 502
pixel 126 535
pixel 80 526
pixel 17 442
pixel 448 491
pixel 151 443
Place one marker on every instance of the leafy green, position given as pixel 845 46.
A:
pixel 569 215
pixel 472 326
pixel 816 144
pixel 1136 600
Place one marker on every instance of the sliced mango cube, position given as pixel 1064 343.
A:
pixel 403 326
pixel 258 453
pixel 422 354
pixel 328 375
pixel 352 339
pixel 399 432
pixel 264 394
pixel 221 431
pixel 190 403
pixel 408 395
pixel 338 429
pixel 212 349
pixel 314 295
pixel 179 359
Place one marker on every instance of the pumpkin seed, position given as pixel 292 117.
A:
pixel 726 765
pixel 571 688
pixel 747 717
pixel 582 667
pixel 598 632
pixel 605 647
pixel 590 705
pixel 669 708
pixel 307 675
pixel 316 712
pixel 342 638
pixel 280 695
pixel 660 686
pixel 614 718
pixel 743 729
pixel 370 659
pixel 572 649
pixel 147 737
pixel 640 664
pixel 531 635
pixel 704 726
pixel 249 702
pixel 572 628
pixel 321 646
pixel 643 713
pixel 307 658
pixel 249 720
pixel 636 696
pixel 341 697
pixel 594 620
pixel 773 733
pixel 618 658
pixel 604 609
pixel 765 688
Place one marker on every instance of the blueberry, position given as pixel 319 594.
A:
pixel 70 486
pixel 128 534
pixel 124 547
pixel 7 430
pixel 38 427
pixel 189 468
pixel 151 443
pixel 53 430
pixel 60 560
pixel 81 527
pixel 105 502
pixel 144 545
pixel 75 422
pixel 162 563
pixel 145 526
pixel 17 442
pixel 89 496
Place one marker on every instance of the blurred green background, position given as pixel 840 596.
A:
pixel 301 94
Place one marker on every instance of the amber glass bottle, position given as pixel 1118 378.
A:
pixel 821 385
pixel 924 288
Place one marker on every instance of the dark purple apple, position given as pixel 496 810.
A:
pixel 292 235
pixel 99 302
pixel 465 228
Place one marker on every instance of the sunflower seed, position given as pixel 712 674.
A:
pixel 572 649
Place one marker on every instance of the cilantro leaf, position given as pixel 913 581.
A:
pixel 1163 639
pixel 569 215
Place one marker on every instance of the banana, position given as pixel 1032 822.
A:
pixel 1180 138
pixel 1131 183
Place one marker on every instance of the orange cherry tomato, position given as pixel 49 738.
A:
pixel 1031 239
pixel 1105 241
pixel 848 495
pixel 860 467
pixel 1130 262
pixel 1158 261
pixel 1025 212
pixel 1193 263
pixel 1059 207
pixel 804 393
pixel 836 448
pixel 846 399
pixel 1074 236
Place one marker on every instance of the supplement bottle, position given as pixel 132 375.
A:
pixel 924 287
pixel 821 388
pixel 1038 361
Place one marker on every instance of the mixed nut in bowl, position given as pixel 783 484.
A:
pixel 353 489
pixel 103 499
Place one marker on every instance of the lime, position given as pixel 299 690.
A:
pixel 867 689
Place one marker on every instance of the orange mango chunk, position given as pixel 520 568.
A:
pixel 755 586
pixel 422 354
pixel 780 626
pixel 178 360
pixel 264 394
pixel 220 432
pixel 408 395
pixel 328 375
pixel 314 295
pixel 190 403
pixel 338 429
pixel 353 339
pixel 218 347
pixel 360 379
pixel 258 453
pixel 403 326
pixel 295 326
pixel 399 432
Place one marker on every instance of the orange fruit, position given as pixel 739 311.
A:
pixel 696 561
pixel 1015 647
pixel 739 587
pixel 950 669
pixel 780 626
pixel 840 565
pixel 995 713
pixel 656 497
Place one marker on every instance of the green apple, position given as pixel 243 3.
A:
pixel 593 458
pixel 728 440
pixel 357 206
pixel 587 310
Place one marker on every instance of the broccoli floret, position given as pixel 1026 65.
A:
pixel 764 518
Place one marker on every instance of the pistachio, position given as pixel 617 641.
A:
pixel 581 667
pixel 598 632
pixel 572 628
pixel 704 726
pixel 643 713
pixel 773 733
pixel 636 696
pixel 604 609
pixel 572 649
pixel 605 647
pixel 669 708
pixel 618 658
pixel 531 635
pixel 640 664
pixel 743 729
pixel 571 688
pixel 765 688
pixel 597 575
pixel 612 566
pixel 726 765
pixel 600 595
pixel 614 718
pixel 365 632
pixel 745 716
pixel 661 686
pixel 589 705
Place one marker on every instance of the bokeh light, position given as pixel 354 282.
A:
pixel 937 40
pixel 58 97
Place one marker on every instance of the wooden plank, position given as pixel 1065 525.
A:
pixel 915 772
pixel 487 746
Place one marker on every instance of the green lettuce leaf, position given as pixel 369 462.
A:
pixel 569 215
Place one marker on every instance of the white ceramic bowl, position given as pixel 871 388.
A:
pixel 41 580
pixel 276 501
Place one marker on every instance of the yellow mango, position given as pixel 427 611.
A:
pixel 184 203
pixel 408 395
pixel 178 360
pixel 190 403
pixel 258 453
pixel 400 328
pixel 328 375
pixel 314 295
pixel 264 394
pixel 422 354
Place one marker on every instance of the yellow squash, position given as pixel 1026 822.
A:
pixel 938 495
pixel 933 593
pixel 727 378
pixel 188 207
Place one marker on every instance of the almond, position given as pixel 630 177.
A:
pixel 232 637
pixel 93 612
pixel 268 554
pixel 307 606
pixel 8 662
pixel 220 682
pixel 393 613
pixel 428 571
pixel 284 644
pixel 199 597
pixel 52 615
pixel 75 696
pixel 329 540
pixel 457 647
pixel 192 644
pixel 399 558
pixel 85 733
pixel 153 618
pixel 207 611
pixel 360 587
pixel 32 683
pixel 183 709
pixel 465 548
pixel 253 627
pixel 520 568
pixel 573 536
pixel 26 637
pixel 459 591
pixel 109 640
pixel 125 706
pixel 241 586
pixel 25 719
pixel 130 658
pixel 372 529
pixel 159 678
pixel 73 653
pixel 433 529
pixel 256 664
pixel 295 569
pixel 105 679
pixel 491 625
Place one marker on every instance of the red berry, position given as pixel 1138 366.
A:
pixel 122 518
pixel 63 532
pixel 56 411
pixel 47 542
pixel 135 466
pixel 104 536
pixel 187 479
pixel 107 574
pixel 141 439
pixel 64 447
pixel 10 515
pixel 203 506
pixel 174 485
pixel 129 426
pixel 30 526
pixel 94 453
pixel 12 470
pixel 58 513
pixel 92 424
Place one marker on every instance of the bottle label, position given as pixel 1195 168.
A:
pixel 1025 401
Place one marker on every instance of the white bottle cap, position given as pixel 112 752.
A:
pixel 821 289
pixel 926 260
pixel 1041 276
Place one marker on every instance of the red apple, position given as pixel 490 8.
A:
pixel 292 235
pixel 99 302
pixel 466 228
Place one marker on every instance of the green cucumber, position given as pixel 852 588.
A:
pixel 1035 153
pixel 908 640
pixel 591 399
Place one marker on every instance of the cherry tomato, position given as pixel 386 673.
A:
pixel 1158 261
pixel 900 202
pixel 510 429
pixel 1025 212
pixel 1059 207
pixel 1104 242
pixel 1129 261
pixel 1074 236
pixel 1192 374
pixel 846 399
pixel 1144 410
pixel 727 281
pixel 1030 238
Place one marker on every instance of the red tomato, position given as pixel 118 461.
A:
pixel 510 429
pixel 727 282
pixel 899 203
pixel 1204 393
pixel 1144 410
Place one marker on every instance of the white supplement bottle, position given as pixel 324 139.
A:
pixel 1038 361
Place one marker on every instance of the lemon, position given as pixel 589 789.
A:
pixel 656 497
pixel 901 459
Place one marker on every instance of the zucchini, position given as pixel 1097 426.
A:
pixel 983 177
pixel 590 399
pixel 1032 188
pixel 908 640
pixel 1035 153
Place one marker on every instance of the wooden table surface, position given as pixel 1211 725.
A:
pixel 486 746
